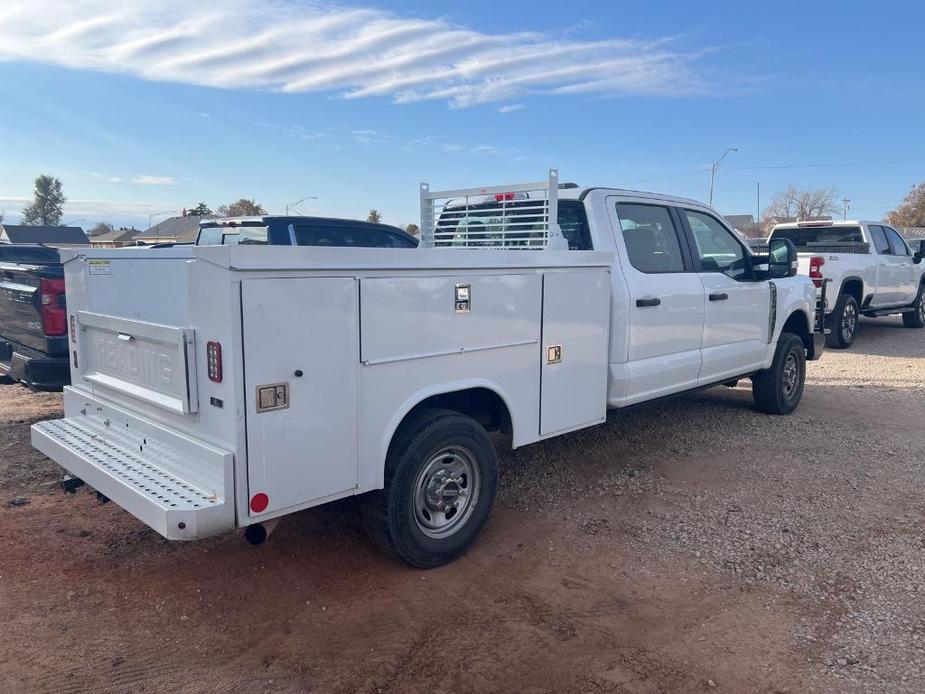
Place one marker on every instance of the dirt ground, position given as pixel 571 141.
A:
pixel 690 545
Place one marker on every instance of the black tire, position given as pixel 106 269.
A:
pixel 843 323
pixel 778 390
pixel 403 520
pixel 916 317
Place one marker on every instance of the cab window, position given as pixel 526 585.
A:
pixel 717 248
pixel 878 236
pixel 897 245
pixel 651 238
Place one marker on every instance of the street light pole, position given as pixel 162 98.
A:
pixel 847 204
pixel 715 166
pixel 293 205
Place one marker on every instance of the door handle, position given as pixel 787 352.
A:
pixel 650 301
pixel 720 296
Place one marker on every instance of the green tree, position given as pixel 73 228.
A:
pixel 243 207
pixel 911 211
pixel 47 205
pixel 374 216
pixel 413 229
pixel 201 210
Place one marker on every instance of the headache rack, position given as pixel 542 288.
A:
pixel 522 216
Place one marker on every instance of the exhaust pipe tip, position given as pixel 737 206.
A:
pixel 257 533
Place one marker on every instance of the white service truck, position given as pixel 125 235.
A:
pixel 224 387
pixel 870 269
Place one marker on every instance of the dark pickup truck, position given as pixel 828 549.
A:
pixel 33 316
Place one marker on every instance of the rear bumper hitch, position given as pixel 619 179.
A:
pixel 70 485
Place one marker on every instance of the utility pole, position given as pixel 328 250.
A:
pixel 715 166
pixel 847 204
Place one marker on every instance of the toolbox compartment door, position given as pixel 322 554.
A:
pixel 146 361
pixel 301 355
pixel 576 309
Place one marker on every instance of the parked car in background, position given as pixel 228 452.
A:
pixel 872 270
pixel 302 231
pixel 33 316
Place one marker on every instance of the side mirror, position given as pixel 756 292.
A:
pixel 782 258
pixel 919 254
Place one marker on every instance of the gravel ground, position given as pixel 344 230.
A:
pixel 690 545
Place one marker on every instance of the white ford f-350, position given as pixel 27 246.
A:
pixel 870 270
pixel 227 386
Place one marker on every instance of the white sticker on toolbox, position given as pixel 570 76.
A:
pixel 99 266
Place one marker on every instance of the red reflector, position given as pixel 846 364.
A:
pixel 54 311
pixel 214 361
pixel 503 196
pixel 259 502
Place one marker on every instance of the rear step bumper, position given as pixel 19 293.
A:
pixel 180 487
pixel 33 368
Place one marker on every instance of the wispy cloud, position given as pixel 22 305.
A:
pixel 146 180
pixel 101 176
pixel 510 108
pixel 354 53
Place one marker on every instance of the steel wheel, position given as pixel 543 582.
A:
pixel 790 376
pixel 849 322
pixel 446 492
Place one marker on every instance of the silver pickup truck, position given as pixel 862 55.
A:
pixel 872 272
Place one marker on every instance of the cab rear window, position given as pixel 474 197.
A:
pixel 820 236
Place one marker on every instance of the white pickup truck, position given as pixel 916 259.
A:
pixel 870 269
pixel 227 386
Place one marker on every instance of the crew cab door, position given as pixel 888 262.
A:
pixel 666 300
pixel 737 307
pixel 885 290
pixel 908 274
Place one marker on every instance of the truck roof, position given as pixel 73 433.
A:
pixel 813 224
pixel 263 220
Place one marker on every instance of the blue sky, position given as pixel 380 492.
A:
pixel 143 108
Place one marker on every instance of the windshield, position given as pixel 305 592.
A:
pixel 820 236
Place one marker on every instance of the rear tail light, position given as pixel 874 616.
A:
pixel 815 269
pixel 214 360
pixel 54 308
pixel 499 197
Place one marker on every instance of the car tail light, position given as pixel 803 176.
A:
pixel 815 269
pixel 214 360
pixel 54 310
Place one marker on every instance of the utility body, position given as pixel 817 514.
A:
pixel 259 381
pixel 870 269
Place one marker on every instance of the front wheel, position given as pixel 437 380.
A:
pixel 778 390
pixel 916 317
pixel 843 323
pixel 441 479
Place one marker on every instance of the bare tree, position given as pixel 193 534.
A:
pixel 802 203
pixel 911 211
pixel 413 229
pixel 374 216
pixel 243 207
pixel 47 206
